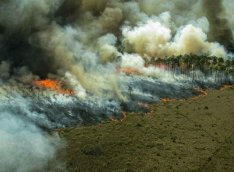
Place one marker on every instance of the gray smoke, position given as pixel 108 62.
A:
pixel 23 146
pixel 90 45
pixel 58 34
pixel 220 29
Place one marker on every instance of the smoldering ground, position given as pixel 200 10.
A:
pixel 99 49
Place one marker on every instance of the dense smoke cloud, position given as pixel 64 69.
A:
pixel 89 45
pixel 220 29
pixel 23 146
pixel 64 36
pixel 155 40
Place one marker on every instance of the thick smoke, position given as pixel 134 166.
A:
pixel 23 146
pixel 220 29
pixel 155 40
pixel 101 50
pixel 82 37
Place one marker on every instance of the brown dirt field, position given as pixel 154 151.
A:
pixel 183 135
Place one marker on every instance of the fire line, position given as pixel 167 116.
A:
pixel 54 86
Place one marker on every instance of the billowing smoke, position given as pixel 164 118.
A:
pixel 155 40
pixel 23 146
pixel 220 29
pixel 99 58
pixel 80 36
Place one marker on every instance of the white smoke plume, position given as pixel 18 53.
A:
pixel 155 40
pixel 83 37
pixel 23 146
pixel 99 49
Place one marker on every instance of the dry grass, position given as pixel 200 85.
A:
pixel 183 135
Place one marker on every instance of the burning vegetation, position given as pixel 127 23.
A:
pixel 54 86
pixel 222 69
pixel 115 55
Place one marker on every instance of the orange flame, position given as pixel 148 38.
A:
pixel 128 70
pixel 202 92
pixel 167 100
pixel 161 66
pixel 224 87
pixel 53 85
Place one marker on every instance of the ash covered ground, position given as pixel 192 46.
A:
pixel 49 109
pixel 66 63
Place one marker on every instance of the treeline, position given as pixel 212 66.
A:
pixel 222 69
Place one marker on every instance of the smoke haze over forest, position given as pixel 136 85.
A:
pixel 92 47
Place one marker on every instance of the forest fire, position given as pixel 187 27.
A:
pixel 202 92
pixel 128 70
pixel 224 87
pixel 167 100
pixel 54 86
pixel 68 63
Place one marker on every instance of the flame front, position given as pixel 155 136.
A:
pixel 128 70
pixel 54 86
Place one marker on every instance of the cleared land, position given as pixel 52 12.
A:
pixel 183 135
